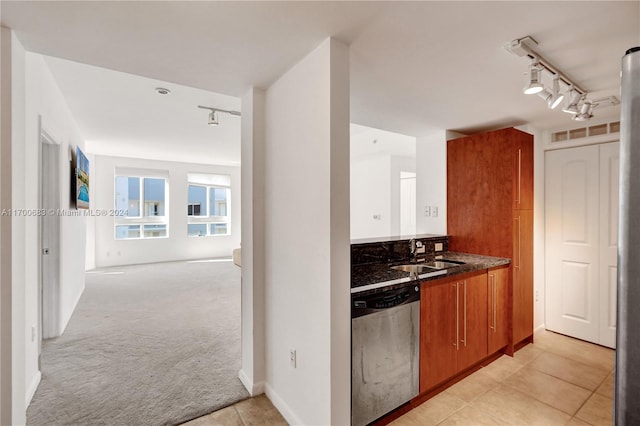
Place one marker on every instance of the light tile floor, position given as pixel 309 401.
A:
pixel 555 381
pixel 257 411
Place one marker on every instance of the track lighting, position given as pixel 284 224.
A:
pixel 213 115
pixel 534 86
pixel 576 97
pixel 573 97
pixel 586 111
pixel 556 96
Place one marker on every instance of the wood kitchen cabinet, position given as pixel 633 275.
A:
pixel 453 326
pixel 490 211
pixel 498 308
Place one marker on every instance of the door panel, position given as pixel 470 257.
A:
pixel 571 240
pixel 438 353
pixel 473 320
pixel 609 201
pixel 581 212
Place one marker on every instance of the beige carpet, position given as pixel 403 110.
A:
pixel 151 344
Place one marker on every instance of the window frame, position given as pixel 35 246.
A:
pixel 208 220
pixel 141 220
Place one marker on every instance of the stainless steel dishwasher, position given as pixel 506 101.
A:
pixel 385 348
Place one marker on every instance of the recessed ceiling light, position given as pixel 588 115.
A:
pixel 162 91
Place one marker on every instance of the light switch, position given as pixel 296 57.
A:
pixel 427 211
pixel 434 211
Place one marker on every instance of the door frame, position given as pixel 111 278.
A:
pixel 48 236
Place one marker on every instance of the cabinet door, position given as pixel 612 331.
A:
pixel 522 275
pixel 523 172
pixel 472 321
pixel 437 332
pixel 498 289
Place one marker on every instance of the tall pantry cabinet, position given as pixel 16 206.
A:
pixel 490 212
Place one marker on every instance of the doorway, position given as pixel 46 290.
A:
pixel 581 215
pixel 49 199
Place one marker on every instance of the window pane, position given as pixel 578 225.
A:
pixel 197 201
pixel 154 197
pixel 155 231
pixel 124 232
pixel 218 198
pixel 197 230
pixel 219 229
pixel 128 195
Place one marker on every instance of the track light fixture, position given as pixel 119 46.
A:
pixel 534 86
pixel 556 97
pixel 577 102
pixel 213 115
pixel 573 98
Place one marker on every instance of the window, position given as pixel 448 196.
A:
pixel 140 207
pixel 208 205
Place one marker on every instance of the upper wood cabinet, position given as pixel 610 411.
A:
pixel 523 171
pixel 490 209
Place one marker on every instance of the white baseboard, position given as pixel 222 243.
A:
pixel 281 406
pixel 539 328
pixel 65 321
pixel 253 388
pixel 33 386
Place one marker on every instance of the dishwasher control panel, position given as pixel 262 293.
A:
pixel 363 305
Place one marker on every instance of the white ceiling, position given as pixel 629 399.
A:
pixel 415 66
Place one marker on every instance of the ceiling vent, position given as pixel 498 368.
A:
pixel 585 132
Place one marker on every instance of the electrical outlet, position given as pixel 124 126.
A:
pixel 427 211
pixel 437 247
pixel 292 357
pixel 434 211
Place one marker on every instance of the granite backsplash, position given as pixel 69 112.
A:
pixel 396 250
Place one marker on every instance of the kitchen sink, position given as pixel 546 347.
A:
pixel 442 264
pixel 414 269
pixel 429 266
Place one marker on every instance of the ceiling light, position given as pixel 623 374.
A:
pixel 586 110
pixel 162 91
pixel 534 85
pixel 213 119
pixel 556 96
pixel 573 97
pixel 213 115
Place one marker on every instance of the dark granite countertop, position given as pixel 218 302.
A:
pixel 378 277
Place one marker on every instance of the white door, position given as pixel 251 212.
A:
pixel 609 184
pixel 49 238
pixel 407 203
pixel 580 241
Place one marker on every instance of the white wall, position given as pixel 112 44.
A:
pixel 307 238
pixel 178 246
pixel 431 182
pixel 12 395
pixel 253 373
pixel 44 99
pixel 377 158
pixel 371 196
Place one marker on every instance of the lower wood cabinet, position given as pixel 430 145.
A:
pixel 498 308
pixel 453 326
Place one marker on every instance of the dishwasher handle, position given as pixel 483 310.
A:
pixel 376 302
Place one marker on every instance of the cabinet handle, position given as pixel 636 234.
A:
pixel 464 283
pixel 519 189
pixel 457 344
pixel 517 227
pixel 495 303
pixel 491 280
